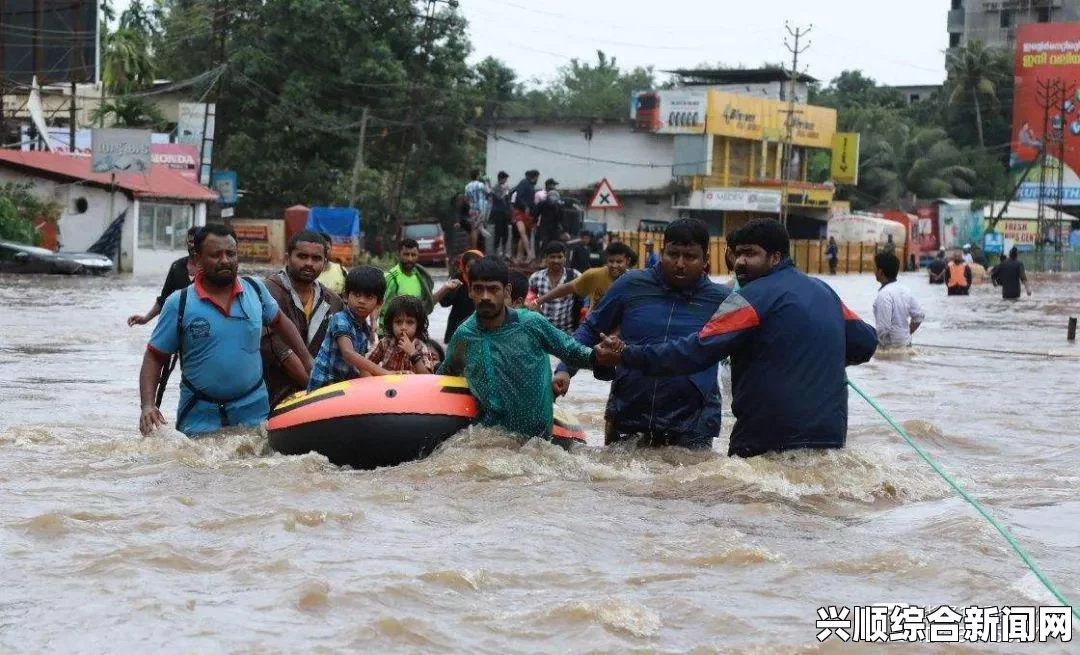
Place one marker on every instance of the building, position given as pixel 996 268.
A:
pixel 158 207
pixel 916 92
pixel 772 83
pixel 580 153
pixel 994 22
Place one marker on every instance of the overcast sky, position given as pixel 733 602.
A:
pixel 895 42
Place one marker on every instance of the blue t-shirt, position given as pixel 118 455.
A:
pixel 330 365
pixel 220 356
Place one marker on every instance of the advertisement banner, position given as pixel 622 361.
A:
pixel 1022 233
pixel 671 111
pixel 195 127
pixel 120 151
pixel 1046 51
pixel 734 199
pixel 747 117
pixel 224 183
pixel 845 158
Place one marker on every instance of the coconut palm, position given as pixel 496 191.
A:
pixel 971 70
pixel 127 63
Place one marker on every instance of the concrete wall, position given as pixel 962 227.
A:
pixel 563 152
pixel 635 208
pixel 984 24
pixel 773 90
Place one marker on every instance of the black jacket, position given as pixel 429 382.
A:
pixel 461 308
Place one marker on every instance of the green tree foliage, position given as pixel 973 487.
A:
pixel 127 69
pixel 972 79
pixel 19 208
pixel 598 90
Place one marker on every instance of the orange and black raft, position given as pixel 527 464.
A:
pixel 384 421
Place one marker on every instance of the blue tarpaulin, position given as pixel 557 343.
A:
pixel 338 222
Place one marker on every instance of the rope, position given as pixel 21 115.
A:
pixel 1026 353
pixel 974 503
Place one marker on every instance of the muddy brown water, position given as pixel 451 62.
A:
pixel 111 542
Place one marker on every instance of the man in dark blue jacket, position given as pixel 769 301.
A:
pixel 789 338
pixel 657 305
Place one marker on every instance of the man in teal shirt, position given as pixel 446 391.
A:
pixel 503 353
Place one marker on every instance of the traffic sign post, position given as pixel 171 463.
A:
pixel 604 197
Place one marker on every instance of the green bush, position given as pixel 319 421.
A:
pixel 19 208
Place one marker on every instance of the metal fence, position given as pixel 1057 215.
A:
pixel 1050 261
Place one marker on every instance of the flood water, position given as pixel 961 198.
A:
pixel 111 542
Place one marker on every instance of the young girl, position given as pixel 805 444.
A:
pixel 405 348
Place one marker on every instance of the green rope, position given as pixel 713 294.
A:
pixel 974 503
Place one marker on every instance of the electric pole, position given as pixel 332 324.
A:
pixel 795 49
pixel 358 165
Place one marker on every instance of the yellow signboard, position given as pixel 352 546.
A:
pixel 746 117
pixel 845 158
pixel 820 198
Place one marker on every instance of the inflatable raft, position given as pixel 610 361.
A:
pixel 384 421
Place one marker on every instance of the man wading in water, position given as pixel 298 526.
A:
pixel 305 302
pixel 215 325
pixel 789 338
pixel 181 273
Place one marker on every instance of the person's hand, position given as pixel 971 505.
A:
pixel 406 344
pixel 560 384
pixel 137 319
pixel 452 285
pixel 532 305
pixel 150 420
pixel 609 351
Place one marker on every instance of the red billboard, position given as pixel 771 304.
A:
pixel 1047 52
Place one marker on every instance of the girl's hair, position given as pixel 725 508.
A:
pixel 408 306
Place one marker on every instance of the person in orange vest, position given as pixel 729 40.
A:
pixel 958 277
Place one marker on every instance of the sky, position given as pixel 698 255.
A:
pixel 895 42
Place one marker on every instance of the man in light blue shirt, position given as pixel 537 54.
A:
pixel 216 327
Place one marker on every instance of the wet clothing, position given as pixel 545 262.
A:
pixel 789 337
pixel 330 365
pixel 310 321
pixel 958 277
pixel 894 309
pixel 509 371
pixel 177 278
pixel 222 381
pixel 418 284
pixel 577 257
pixel 683 410
pixel 390 356
pixel 461 307
pixel 937 270
pixel 1010 275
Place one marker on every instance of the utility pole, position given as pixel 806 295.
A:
pixel 358 165
pixel 789 132
pixel 1050 94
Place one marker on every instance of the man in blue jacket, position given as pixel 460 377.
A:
pixel 657 305
pixel 789 338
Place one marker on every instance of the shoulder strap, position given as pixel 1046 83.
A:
pixel 180 320
pixel 258 291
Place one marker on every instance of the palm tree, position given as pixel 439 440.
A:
pixel 900 163
pixel 127 63
pixel 970 76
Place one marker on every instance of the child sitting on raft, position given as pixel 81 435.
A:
pixel 405 349
pixel 341 356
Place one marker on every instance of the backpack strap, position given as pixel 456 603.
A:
pixel 250 280
pixel 180 321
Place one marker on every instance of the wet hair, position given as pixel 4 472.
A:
pixel 1002 257
pixel 503 175
pixel 687 232
pixel 532 172
pixel 192 231
pixel 1014 253
pixel 555 248
pixel 406 306
pixel 308 236
pixel 216 229
pixel 366 280
pixel 408 243
pixel 474 174
pixel 489 269
pixel 888 263
pixel 767 233
pixel 617 249
pixel 519 287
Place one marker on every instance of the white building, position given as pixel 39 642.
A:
pixel 160 206
pixel 579 154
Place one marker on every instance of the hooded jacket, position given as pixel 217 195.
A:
pixel 649 312
pixel 789 337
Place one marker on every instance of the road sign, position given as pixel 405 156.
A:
pixel 845 158
pixel 605 197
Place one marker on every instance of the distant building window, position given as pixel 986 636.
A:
pixel 1042 14
pixel 1006 19
pixel 954 40
pixel 957 4
pixel 914 97
pixel 163 226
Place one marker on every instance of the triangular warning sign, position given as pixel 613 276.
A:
pixel 605 197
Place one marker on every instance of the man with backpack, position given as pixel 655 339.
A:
pixel 215 326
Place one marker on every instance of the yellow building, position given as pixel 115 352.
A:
pixel 742 179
